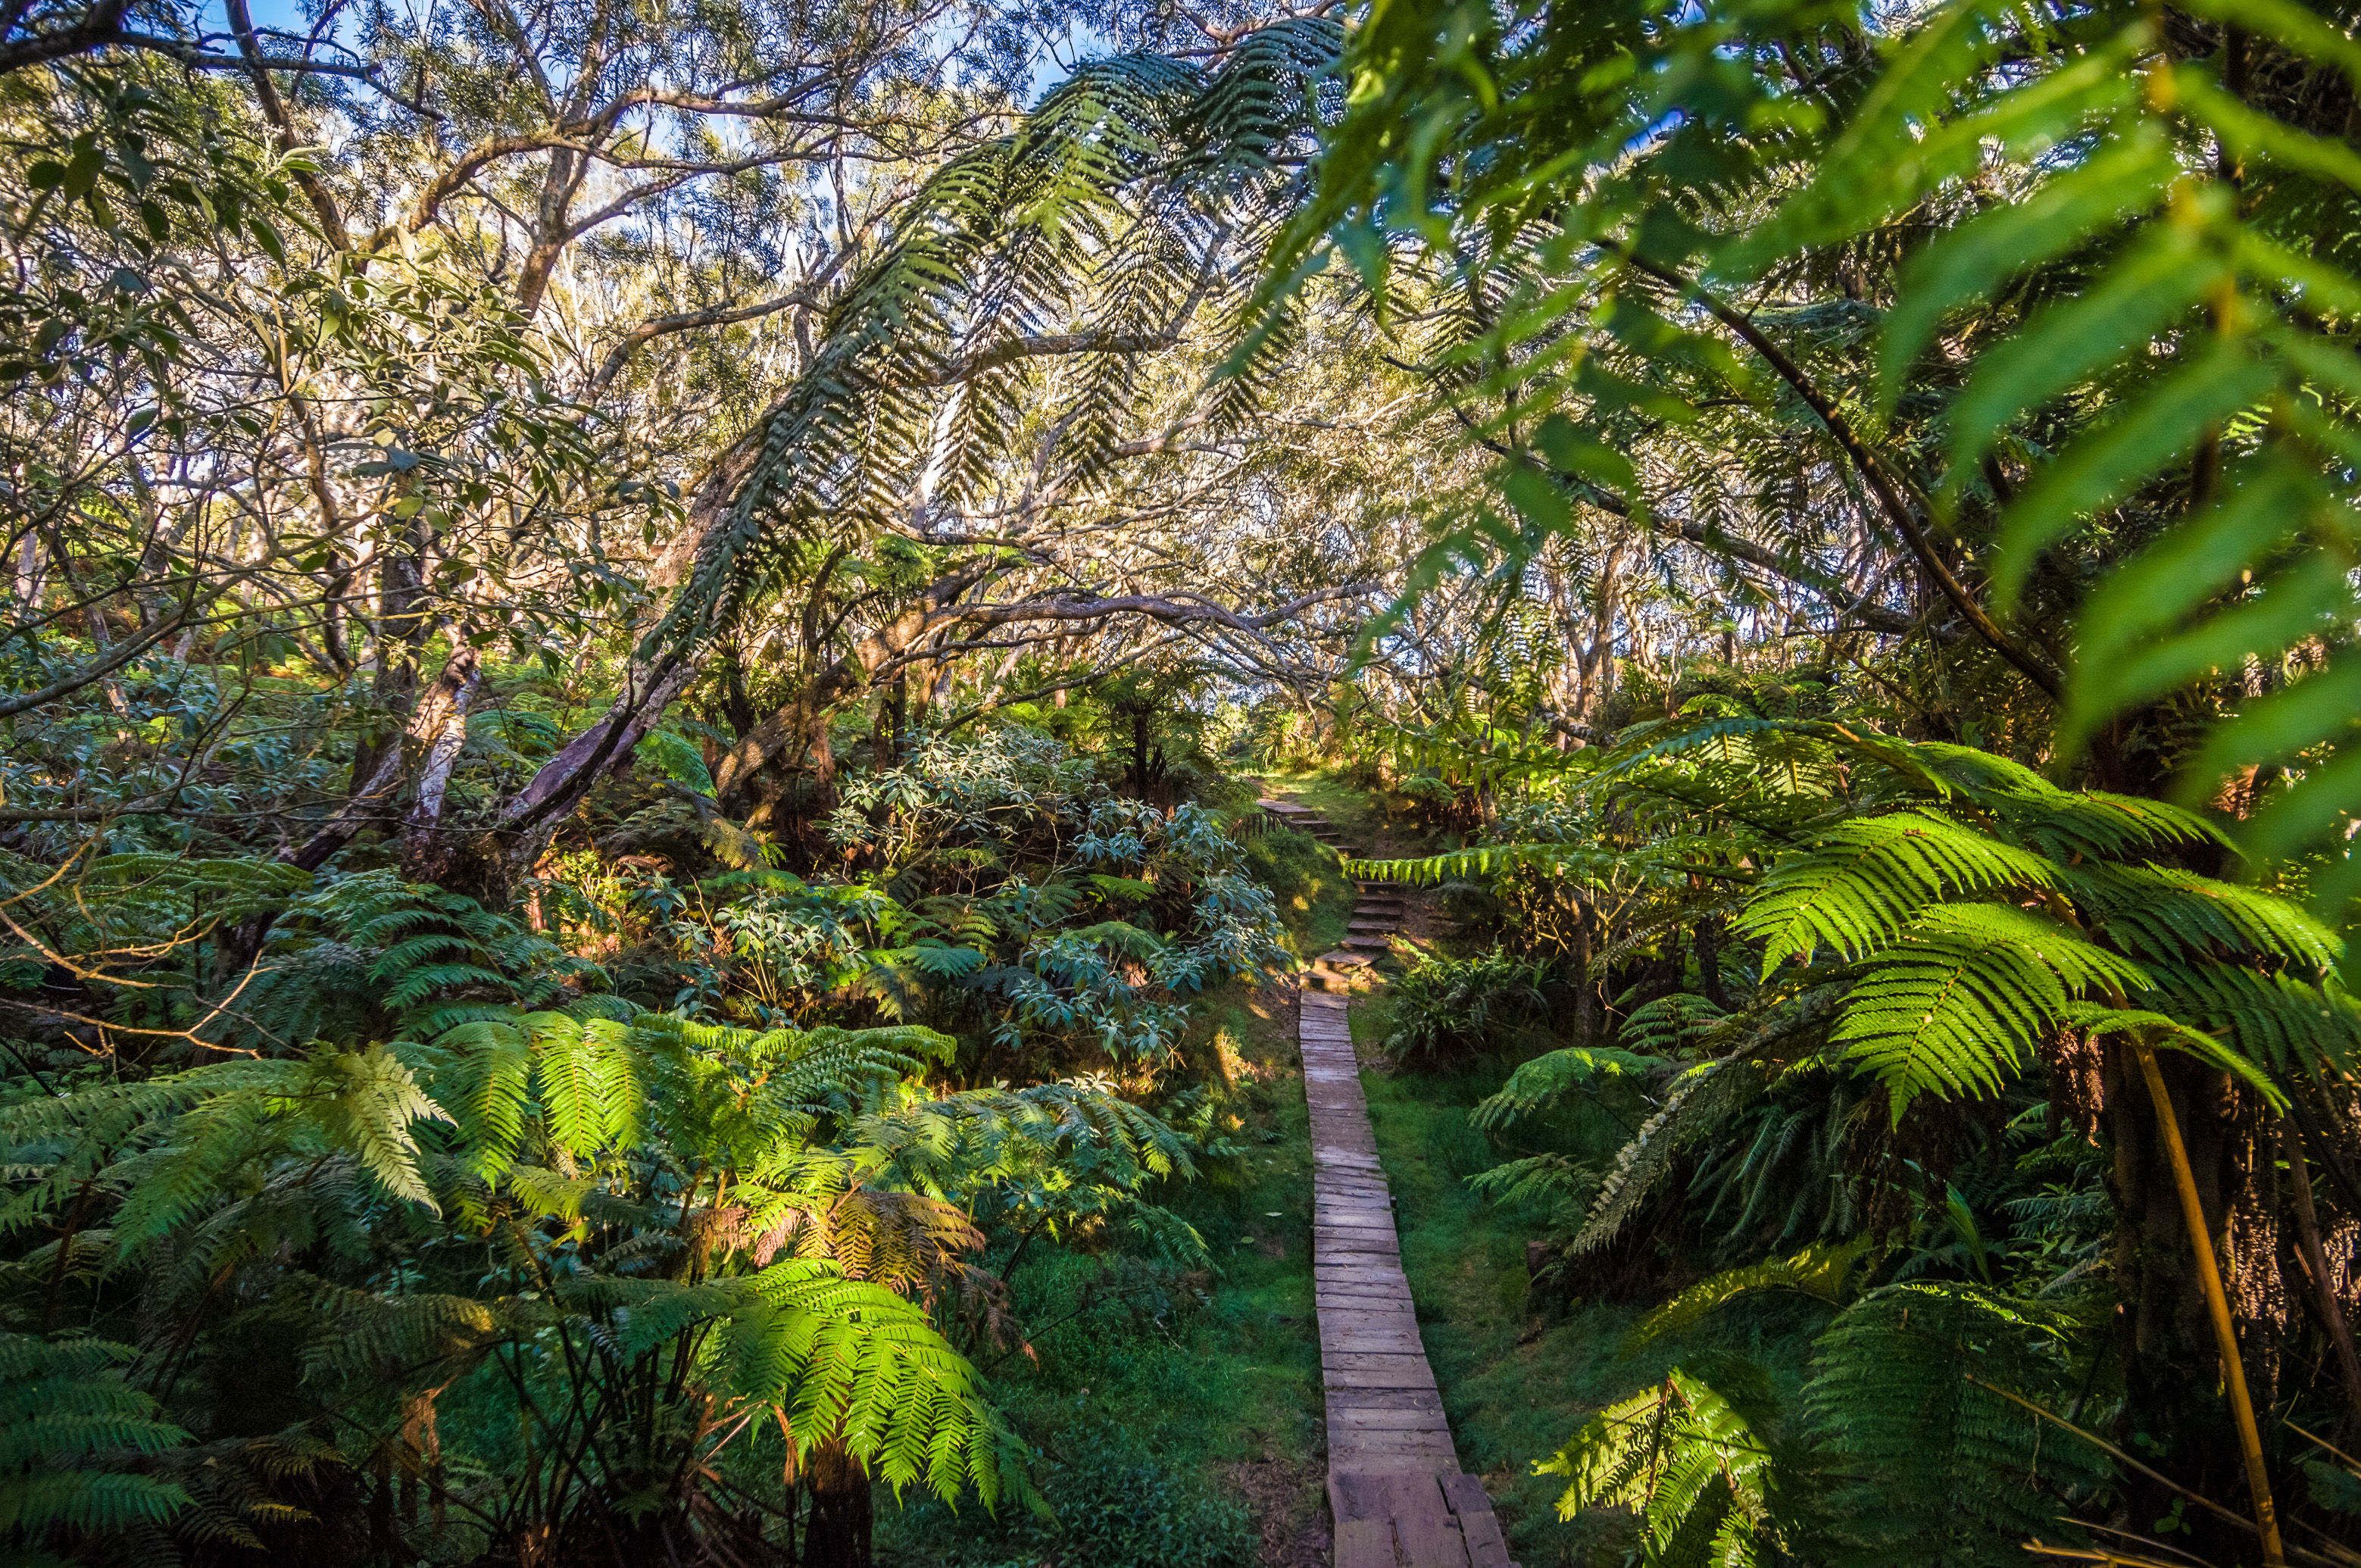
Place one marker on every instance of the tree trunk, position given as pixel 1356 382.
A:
pixel 841 1510
pixel 424 846
pixel 402 628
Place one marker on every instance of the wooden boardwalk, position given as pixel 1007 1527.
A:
pixel 1394 1482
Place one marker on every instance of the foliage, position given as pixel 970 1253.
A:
pixel 1449 1007
pixel 66 1409
pixel 1688 1462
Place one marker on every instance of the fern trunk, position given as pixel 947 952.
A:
pixel 2169 1327
pixel 843 1511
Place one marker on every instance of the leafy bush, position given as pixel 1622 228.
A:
pixel 1460 1006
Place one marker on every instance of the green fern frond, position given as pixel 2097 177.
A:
pixel 2173 915
pixel 1938 1467
pixel 1821 1271
pixel 1662 864
pixel 1871 876
pixel 1956 1003
pixel 63 1407
pixel 2290 1026
pixel 1682 1457
pixel 1547 1078
pixel 1703 1099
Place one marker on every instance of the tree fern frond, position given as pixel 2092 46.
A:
pixel 2174 915
pixel 1546 1079
pixel 1868 877
pixel 1939 1468
pixel 1956 1003
pixel 1822 1271
pixel 1688 1462
pixel 63 1406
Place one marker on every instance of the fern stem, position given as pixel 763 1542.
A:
pixel 2209 1273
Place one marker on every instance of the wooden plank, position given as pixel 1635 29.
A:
pixel 1350 1370
pixel 1424 1532
pixel 1373 1315
pixel 1391 1453
pixel 1487 1547
pixel 1362 1299
pixel 1361 1421
pixel 1366 1543
pixel 1364 1495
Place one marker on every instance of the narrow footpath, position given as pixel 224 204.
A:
pixel 1395 1487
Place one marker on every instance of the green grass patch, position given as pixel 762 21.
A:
pixel 1146 1379
pixel 1315 896
pixel 1360 815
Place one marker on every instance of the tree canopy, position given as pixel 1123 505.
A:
pixel 637 642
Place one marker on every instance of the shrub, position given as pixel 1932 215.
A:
pixel 1117 1506
pixel 1461 1006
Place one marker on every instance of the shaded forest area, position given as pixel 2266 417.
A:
pixel 641 642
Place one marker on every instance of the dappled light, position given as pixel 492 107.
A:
pixel 1315 783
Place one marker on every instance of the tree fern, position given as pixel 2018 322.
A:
pixel 1822 1271
pixel 1682 1457
pixel 1113 200
pixel 1869 878
pixel 1937 1466
pixel 1548 1078
pixel 1953 1004
pixel 68 1420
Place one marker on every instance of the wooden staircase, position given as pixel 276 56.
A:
pixel 1375 918
pixel 1395 1487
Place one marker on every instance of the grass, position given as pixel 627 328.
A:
pixel 1367 818
pixel 1519 1376
pixel 1152 1386
pixel 1315 896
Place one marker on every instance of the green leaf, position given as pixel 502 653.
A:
pixel 1954 1006
pixel 2171 1034
pixel 1862 884
pixel 2143 292
pixel 2105 464
pixel 675 756
pixel 1976 257
pixel 2124 655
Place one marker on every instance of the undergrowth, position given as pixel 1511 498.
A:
pixel 1519 1366
pixel 1144 1381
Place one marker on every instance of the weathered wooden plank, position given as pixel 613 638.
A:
pixel 1365 1420
pixel 1486 1548
pixel 1358 1372
pixel 1385 1399
pixel 1366 1543
pixel 1424 1532
pixel 1396 1315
